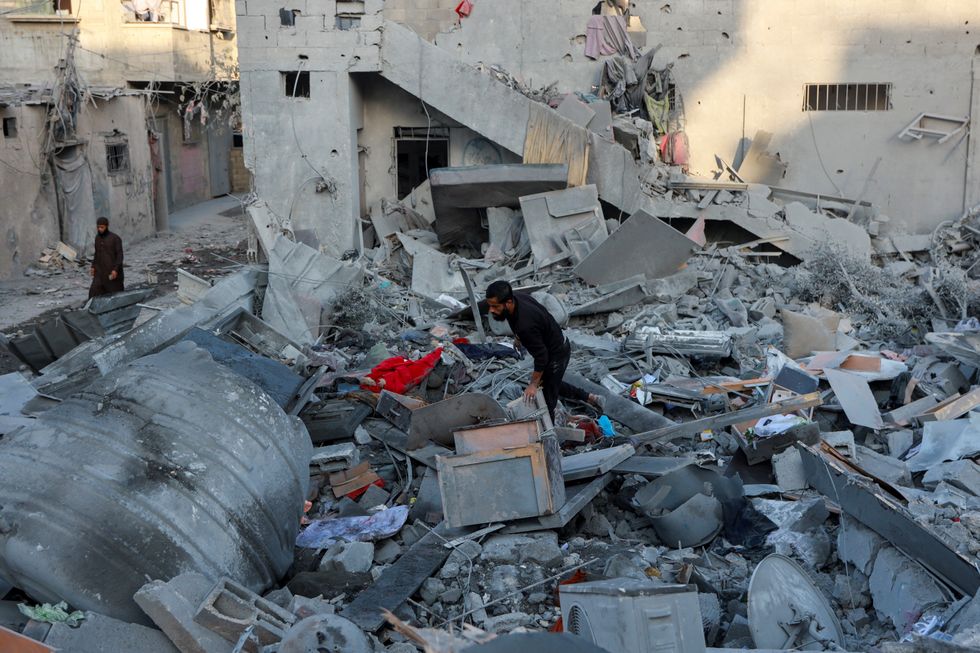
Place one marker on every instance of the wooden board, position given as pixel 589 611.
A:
pixel 954 407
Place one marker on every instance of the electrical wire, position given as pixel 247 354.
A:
pixel 816 148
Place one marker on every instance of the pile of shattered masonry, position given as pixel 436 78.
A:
pixel 315 454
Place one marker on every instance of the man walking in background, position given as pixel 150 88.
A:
pixel 107 262
pixel 538 332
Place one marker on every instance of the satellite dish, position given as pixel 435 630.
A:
pixel 787 611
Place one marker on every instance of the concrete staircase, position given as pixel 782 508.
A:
pixel 494 110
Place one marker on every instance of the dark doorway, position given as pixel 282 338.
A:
pixel 418 150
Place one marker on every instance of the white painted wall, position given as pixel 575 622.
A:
pixel 766 51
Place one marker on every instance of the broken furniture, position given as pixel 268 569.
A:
pixel 502 481
pixel 459 194
pixel 437 422
pixel 626 615
pixel 335 419
pixel 141 467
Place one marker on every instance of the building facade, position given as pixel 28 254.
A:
pixel 838 85
pixel 123 110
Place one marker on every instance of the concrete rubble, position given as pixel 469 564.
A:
pixel 776 381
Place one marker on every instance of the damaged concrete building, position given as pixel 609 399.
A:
pixel 870 104
pixel 105 112
pixel 770 433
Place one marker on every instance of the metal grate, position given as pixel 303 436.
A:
pixel 117 157
pixel 578 623
pixel 847 97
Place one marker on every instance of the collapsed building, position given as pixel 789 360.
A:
pixel 328 449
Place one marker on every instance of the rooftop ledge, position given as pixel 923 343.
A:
pixel 41 18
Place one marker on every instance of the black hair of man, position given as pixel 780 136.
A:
pixel 104 221
pixel 500 290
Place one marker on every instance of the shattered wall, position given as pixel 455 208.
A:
pixel 386 107
pixel 302 151
pixel 29 208
pixel 764 53
pixel 28 212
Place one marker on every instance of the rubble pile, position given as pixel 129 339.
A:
pixel 782 456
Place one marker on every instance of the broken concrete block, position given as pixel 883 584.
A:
pixel 281 597
pixel 99 633
pixel 812 547
pixel 963 474
pixel 506 622
pixel 842 441
pixel 788 468
pixel 349 558
pixel 891 470
pixel 537 548
pixel 899 441
pixel 386 551
pixel 901 589
pixel 474 602
pixel 229 609
pixel 172 607
pixel 431 589
pixel 304 606
pixel 857 544
pixel 851 589
pixel 798 516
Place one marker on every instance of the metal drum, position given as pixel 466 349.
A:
pixel 170 464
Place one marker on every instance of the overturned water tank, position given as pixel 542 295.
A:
pixel 168 465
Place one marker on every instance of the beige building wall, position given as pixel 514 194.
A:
pixel 761 54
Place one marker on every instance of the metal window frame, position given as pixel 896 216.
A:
pixel 117 163
pixel 847 96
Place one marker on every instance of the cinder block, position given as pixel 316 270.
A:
pixel 172 606
pixel 229 609
pixel 313 23
pixel 250 27
pixel 241 7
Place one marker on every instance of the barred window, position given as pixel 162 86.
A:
pixel 847 97
pixel 117 157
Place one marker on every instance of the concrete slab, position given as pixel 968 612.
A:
pixel 949 440
pixel 642 245
pixel 891 470
pixel 575 110
pixel 901 589
pixel 548 216
pixel 459 193
pixel 882 512
pixel 855 398
pixel 963 474
pixel 98 633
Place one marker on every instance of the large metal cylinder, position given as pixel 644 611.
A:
pixel 168 465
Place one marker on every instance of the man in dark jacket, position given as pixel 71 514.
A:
pixel 107 262
pixel 538 332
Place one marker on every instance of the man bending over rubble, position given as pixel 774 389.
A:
pixel 538 332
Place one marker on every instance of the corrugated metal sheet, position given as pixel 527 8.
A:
pixel 169 464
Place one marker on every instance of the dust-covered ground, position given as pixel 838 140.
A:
pixel 208 240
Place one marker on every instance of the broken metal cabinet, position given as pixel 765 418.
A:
pixel 397 408
pixel 491 437
pixel 502 484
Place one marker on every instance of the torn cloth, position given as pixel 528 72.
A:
pixel 321 533
pixel 399 374
pixel 606 35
